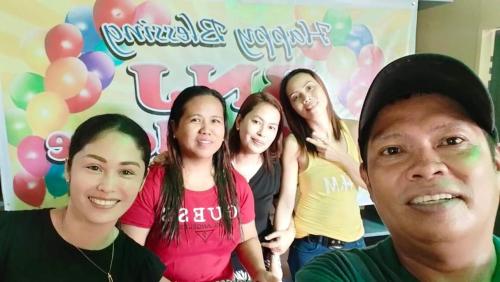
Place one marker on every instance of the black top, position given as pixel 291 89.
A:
pixel 32 250
pixel 265 186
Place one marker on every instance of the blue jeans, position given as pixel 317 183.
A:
pixel 302 251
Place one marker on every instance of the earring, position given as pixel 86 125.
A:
pixel 237 129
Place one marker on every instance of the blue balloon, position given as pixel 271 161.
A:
pixel 82 18
pixel 55 182
pixel 359 36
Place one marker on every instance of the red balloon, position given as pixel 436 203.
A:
pixel 88 96
pixel 356 98
pixel 29 189
pixel 63 40
pixel 153 12
pixel 31 155
pixel 372 57
pixel 363 76
pixel 317 51
pixel 118 12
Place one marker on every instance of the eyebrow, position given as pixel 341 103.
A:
pixel 449 125
pixel 307 82
pixel 199 115
pixel 101 159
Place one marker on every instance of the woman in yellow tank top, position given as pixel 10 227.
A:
pixel 320 175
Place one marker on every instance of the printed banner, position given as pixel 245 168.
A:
pixel 64 63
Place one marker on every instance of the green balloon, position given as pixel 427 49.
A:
pixel 17 127
pixel 24 87
pixel 341 24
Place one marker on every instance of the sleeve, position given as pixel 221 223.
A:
pixel 143 211
pixel 245 198
pixel 334 266
pixel 152 268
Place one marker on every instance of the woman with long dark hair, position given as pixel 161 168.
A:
pixel 320 173
pixel 195 209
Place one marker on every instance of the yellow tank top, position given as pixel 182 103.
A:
pixel 326 199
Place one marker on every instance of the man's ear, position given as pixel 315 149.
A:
pixel 364 175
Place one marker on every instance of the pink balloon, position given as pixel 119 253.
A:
pixel 31 155
pixel 372 57
pixel 63 40
pixel 153 12
pixel 66 77
pixel 356 98
pixel 317 51
pixel 87 97
pixel 29 189
pixel 363 76
pixel 118 12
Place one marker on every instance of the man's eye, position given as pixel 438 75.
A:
pixel 452 141
pixel 391 151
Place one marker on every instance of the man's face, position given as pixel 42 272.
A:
pixel 430 172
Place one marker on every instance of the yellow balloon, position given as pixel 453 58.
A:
pixel 341 63
pixel 309 14
pixel 33 50
pixel 46 113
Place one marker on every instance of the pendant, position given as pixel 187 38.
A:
pixel 110 279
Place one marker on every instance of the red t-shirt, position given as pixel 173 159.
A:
pixel 202 252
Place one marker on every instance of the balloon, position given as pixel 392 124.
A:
pixel 46 113
pixel 87 97
pixel 29 189
pixel 100 64
pixel 66 77
pixel 317 51
pixel 153 12
pixel 31 155
pixel 101 46
pixel 372 57
pixel 356 98
pixel 309 14
pixel 17 127
pixel 363 76
pixel 118 12
pixel 55 182
pixel 81 17
pixel 341 24
pixel 341 63
pixel 32 48
pixel 359 36
pixel 24 87
pixel 63 40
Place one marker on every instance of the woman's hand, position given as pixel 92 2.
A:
pixel 279 241
pixel 326 149
pixel 265 276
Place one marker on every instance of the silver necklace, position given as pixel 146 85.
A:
pixel 110 279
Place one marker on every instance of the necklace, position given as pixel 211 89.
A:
pixel 110 279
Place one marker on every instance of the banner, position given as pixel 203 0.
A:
pixel 64 63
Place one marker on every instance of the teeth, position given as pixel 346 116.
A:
pixel 102 202
pixel 429 199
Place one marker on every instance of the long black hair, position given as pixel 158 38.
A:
pixel 173 183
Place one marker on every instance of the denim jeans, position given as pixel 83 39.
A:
pixel 302 251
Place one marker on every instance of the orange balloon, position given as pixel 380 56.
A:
pixel 66 77
pixel 46 113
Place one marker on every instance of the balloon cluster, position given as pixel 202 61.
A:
pixel 352 59
pixel 80 68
